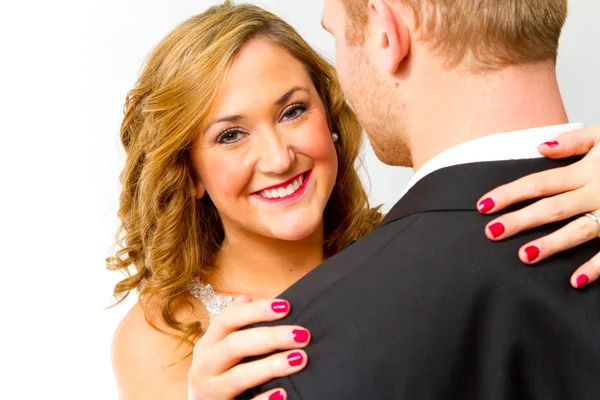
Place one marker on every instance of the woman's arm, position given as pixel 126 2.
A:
pixel 142 356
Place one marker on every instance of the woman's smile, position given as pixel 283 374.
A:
pixel 286 192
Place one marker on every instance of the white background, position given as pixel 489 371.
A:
pixel 65 67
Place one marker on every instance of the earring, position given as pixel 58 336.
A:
pixel 335 137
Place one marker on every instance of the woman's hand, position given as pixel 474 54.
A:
pixel 215 372
pixel 567 192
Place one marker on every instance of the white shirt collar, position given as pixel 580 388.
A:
pixel 515 145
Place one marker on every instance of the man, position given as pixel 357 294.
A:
pixel 423 307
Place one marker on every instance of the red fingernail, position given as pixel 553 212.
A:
pixel 496 229
pixel 532 252
pixel 582 280
pixel 300 335
pixel 554 143
pixel 276 396
pixel 486 205
pixel 280 306
pixel 295 359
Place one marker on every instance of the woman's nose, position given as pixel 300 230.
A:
pixel 276 155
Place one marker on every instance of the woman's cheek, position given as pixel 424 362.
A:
pixel 226 179
pixel 318 143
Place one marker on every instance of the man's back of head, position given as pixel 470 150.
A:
pixel 456 68
pixel 489 34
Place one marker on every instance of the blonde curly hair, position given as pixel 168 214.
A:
pixel 167 235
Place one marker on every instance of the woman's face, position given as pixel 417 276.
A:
pixel 266 157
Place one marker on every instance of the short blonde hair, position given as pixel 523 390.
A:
pixel 492 33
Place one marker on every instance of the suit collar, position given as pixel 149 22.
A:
pixel 459 187
pixel 515 145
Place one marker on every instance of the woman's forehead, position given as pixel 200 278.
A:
pixel 261 73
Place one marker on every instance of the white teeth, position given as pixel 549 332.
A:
pixel 283 192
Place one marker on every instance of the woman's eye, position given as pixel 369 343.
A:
pixel 230 137
pixel 294 112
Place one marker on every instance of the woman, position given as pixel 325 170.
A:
pixel 240 173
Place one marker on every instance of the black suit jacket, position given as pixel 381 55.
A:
pixel 426 307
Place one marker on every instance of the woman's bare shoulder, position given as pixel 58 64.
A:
pixel 147 362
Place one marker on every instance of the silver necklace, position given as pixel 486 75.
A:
pixel 213 302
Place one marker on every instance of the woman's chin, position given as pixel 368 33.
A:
pixel 294 232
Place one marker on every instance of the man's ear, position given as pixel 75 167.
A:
pixel 391 32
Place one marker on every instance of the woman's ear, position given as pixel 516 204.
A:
pixel 200 189
pixel 393 35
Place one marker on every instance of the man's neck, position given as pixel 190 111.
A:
pixel 470 106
